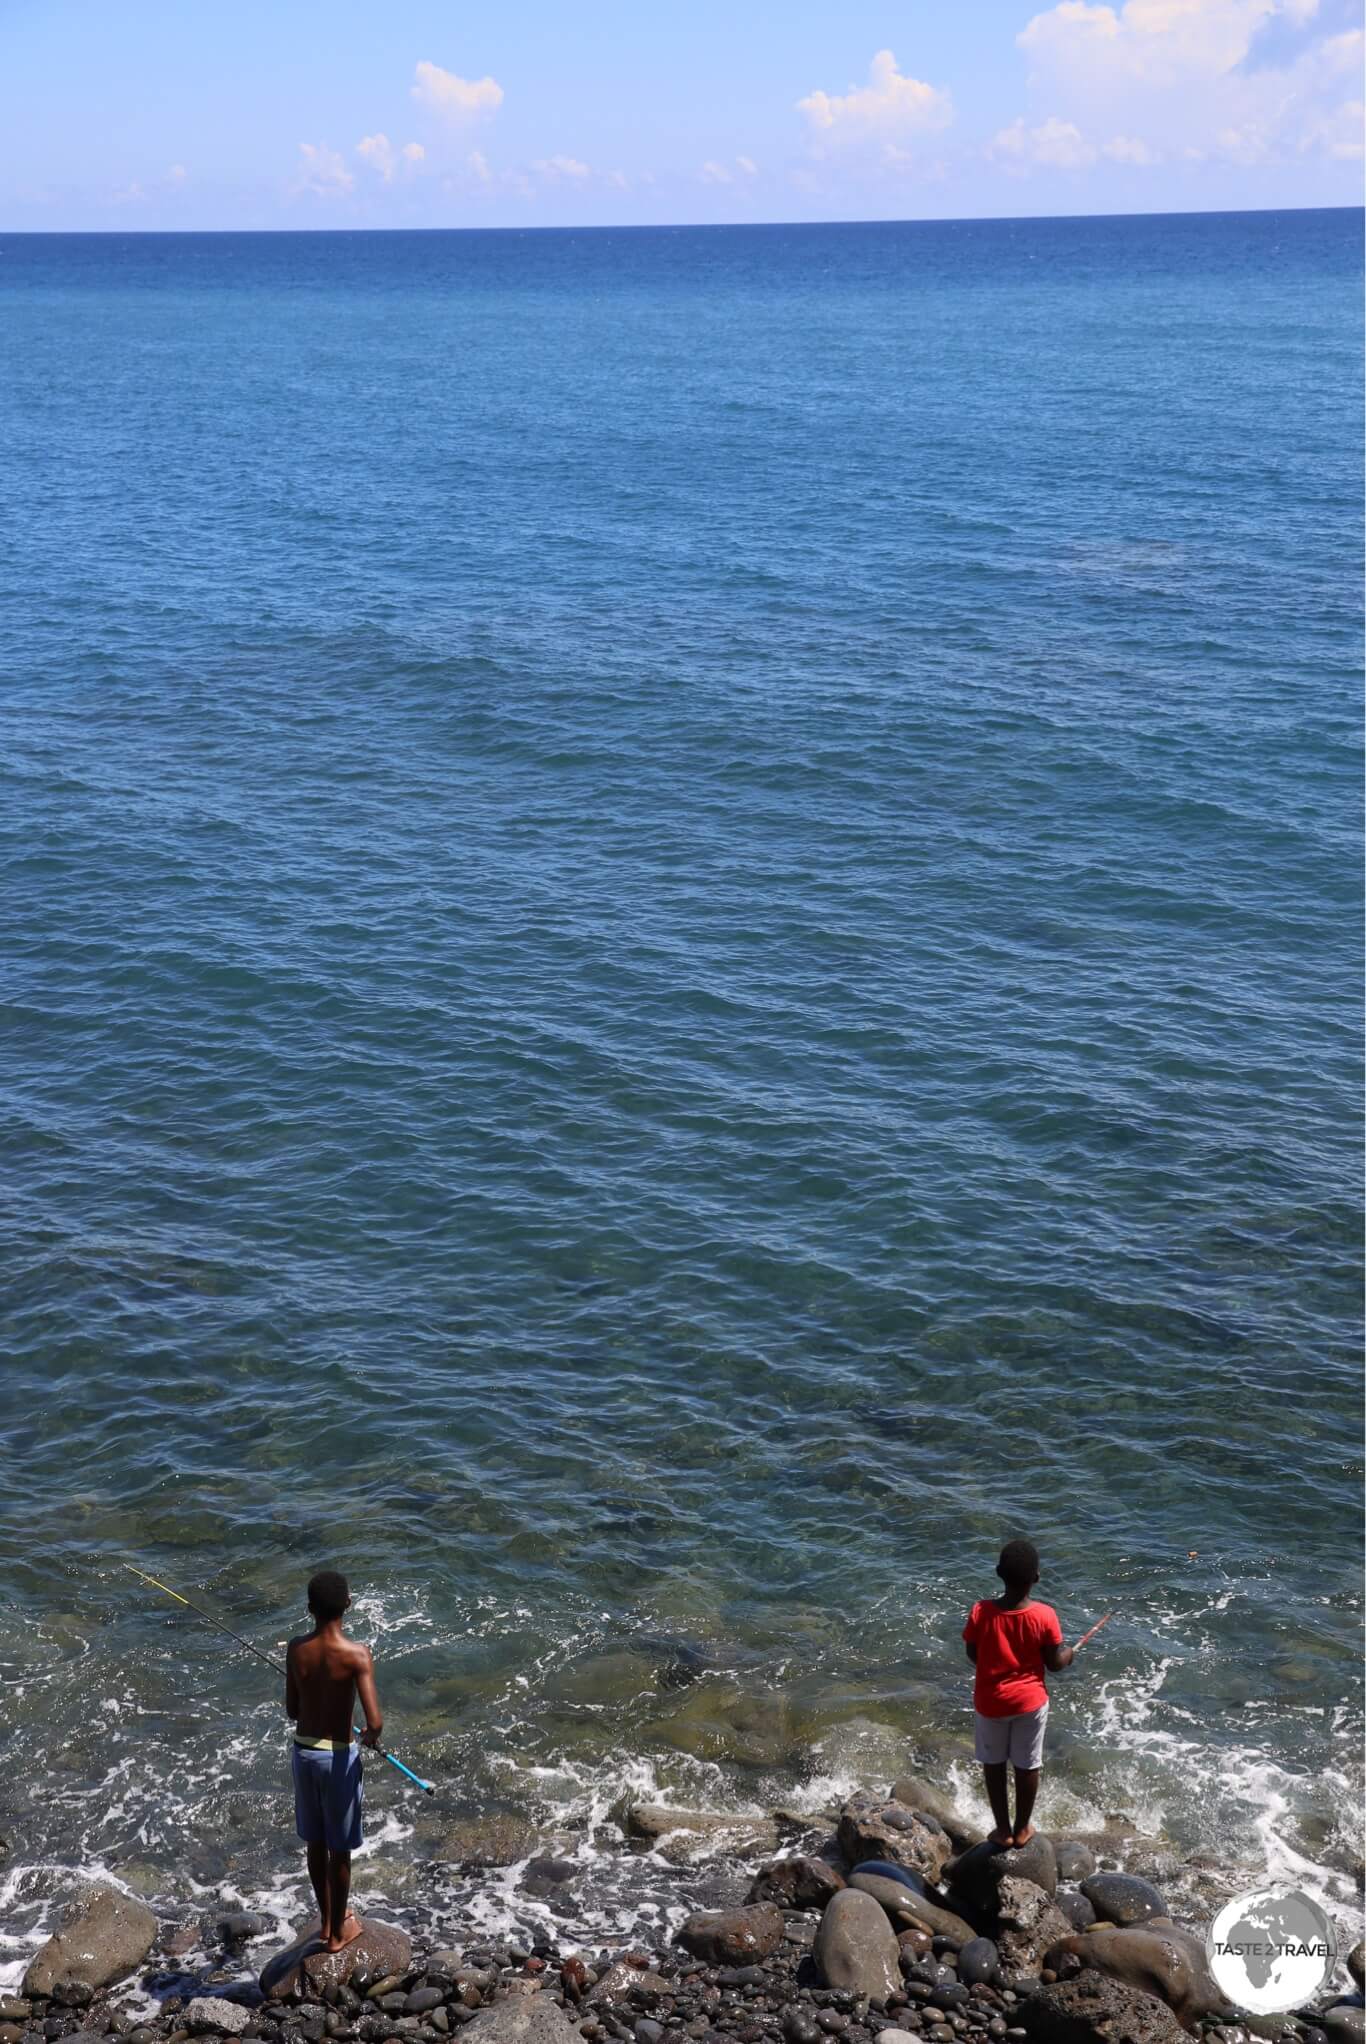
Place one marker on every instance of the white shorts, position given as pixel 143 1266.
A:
pixel 1018 1739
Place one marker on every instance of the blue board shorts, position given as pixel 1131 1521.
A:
pixel 327 1796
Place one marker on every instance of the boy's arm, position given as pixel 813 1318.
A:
pixel 1055 1654
pixel 972 1652
pixel 369 1699
pixel 291 1686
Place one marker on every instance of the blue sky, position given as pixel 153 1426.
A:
pixel 434 113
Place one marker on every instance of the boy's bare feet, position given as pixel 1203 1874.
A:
pixel 1000 1838
pixel 1023 1837
pixel 350 1931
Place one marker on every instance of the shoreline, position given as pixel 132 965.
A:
pixel 740 1956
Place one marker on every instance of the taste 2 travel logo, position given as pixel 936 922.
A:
pixel 1271 1951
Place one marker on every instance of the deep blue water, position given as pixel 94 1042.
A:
pixel 681 939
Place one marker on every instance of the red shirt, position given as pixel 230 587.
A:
pixel 1010 1663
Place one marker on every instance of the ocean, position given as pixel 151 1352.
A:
pixel 682 940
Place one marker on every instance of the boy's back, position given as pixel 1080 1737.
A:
pixel 1012 1643
pixel 324 1668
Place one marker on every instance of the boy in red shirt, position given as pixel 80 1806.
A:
pixel 1011 1640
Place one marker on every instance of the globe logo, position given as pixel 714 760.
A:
pixel 1271 1951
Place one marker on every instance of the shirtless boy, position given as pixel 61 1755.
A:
pixel 324 1674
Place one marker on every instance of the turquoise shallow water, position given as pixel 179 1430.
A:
pixel 681 941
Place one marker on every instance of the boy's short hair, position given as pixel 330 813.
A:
pixel 328 1595
pixel 1019 1562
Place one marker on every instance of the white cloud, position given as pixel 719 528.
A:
pixel 177 174
pixel 619 179
pixel 890 103
pixel 453 97
pixel 1052 145
pixel 1129 149
pixel 380 154
pixel 479 164
pixel 555 168
pixel 1242 79
pixel 323 172
pixel 716 173
pixel 1340 133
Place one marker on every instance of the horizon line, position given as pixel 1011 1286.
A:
pixel 686 226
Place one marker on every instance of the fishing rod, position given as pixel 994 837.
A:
pixel 1094 1630
pixel 428 1788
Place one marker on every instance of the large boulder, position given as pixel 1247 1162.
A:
pixel 800 1882
pixel 907 1908
pixel 1092 2009
pixel 875 1827
pixel 1356 1965
pixel 978 1873
pixel 1156 1959
pixel 856 1947
pixel 733 1937
pixel 380 1949
pixel 1124 1899
pixel 527 2019
pixel 923 1795
pixel 103 1937
pixel 1028 1922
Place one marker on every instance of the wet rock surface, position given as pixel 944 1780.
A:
pixel 804 1949
pixel 105 1935
pixel 1094 2010
pixel 856 1947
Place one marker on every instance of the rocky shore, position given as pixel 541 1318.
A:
pixel 893 1922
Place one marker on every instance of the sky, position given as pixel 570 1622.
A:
pixel 197 114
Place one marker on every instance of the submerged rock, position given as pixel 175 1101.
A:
pixel 104 1936
pixel 856 1947
pixel 655 1824
pixel 1075 1860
